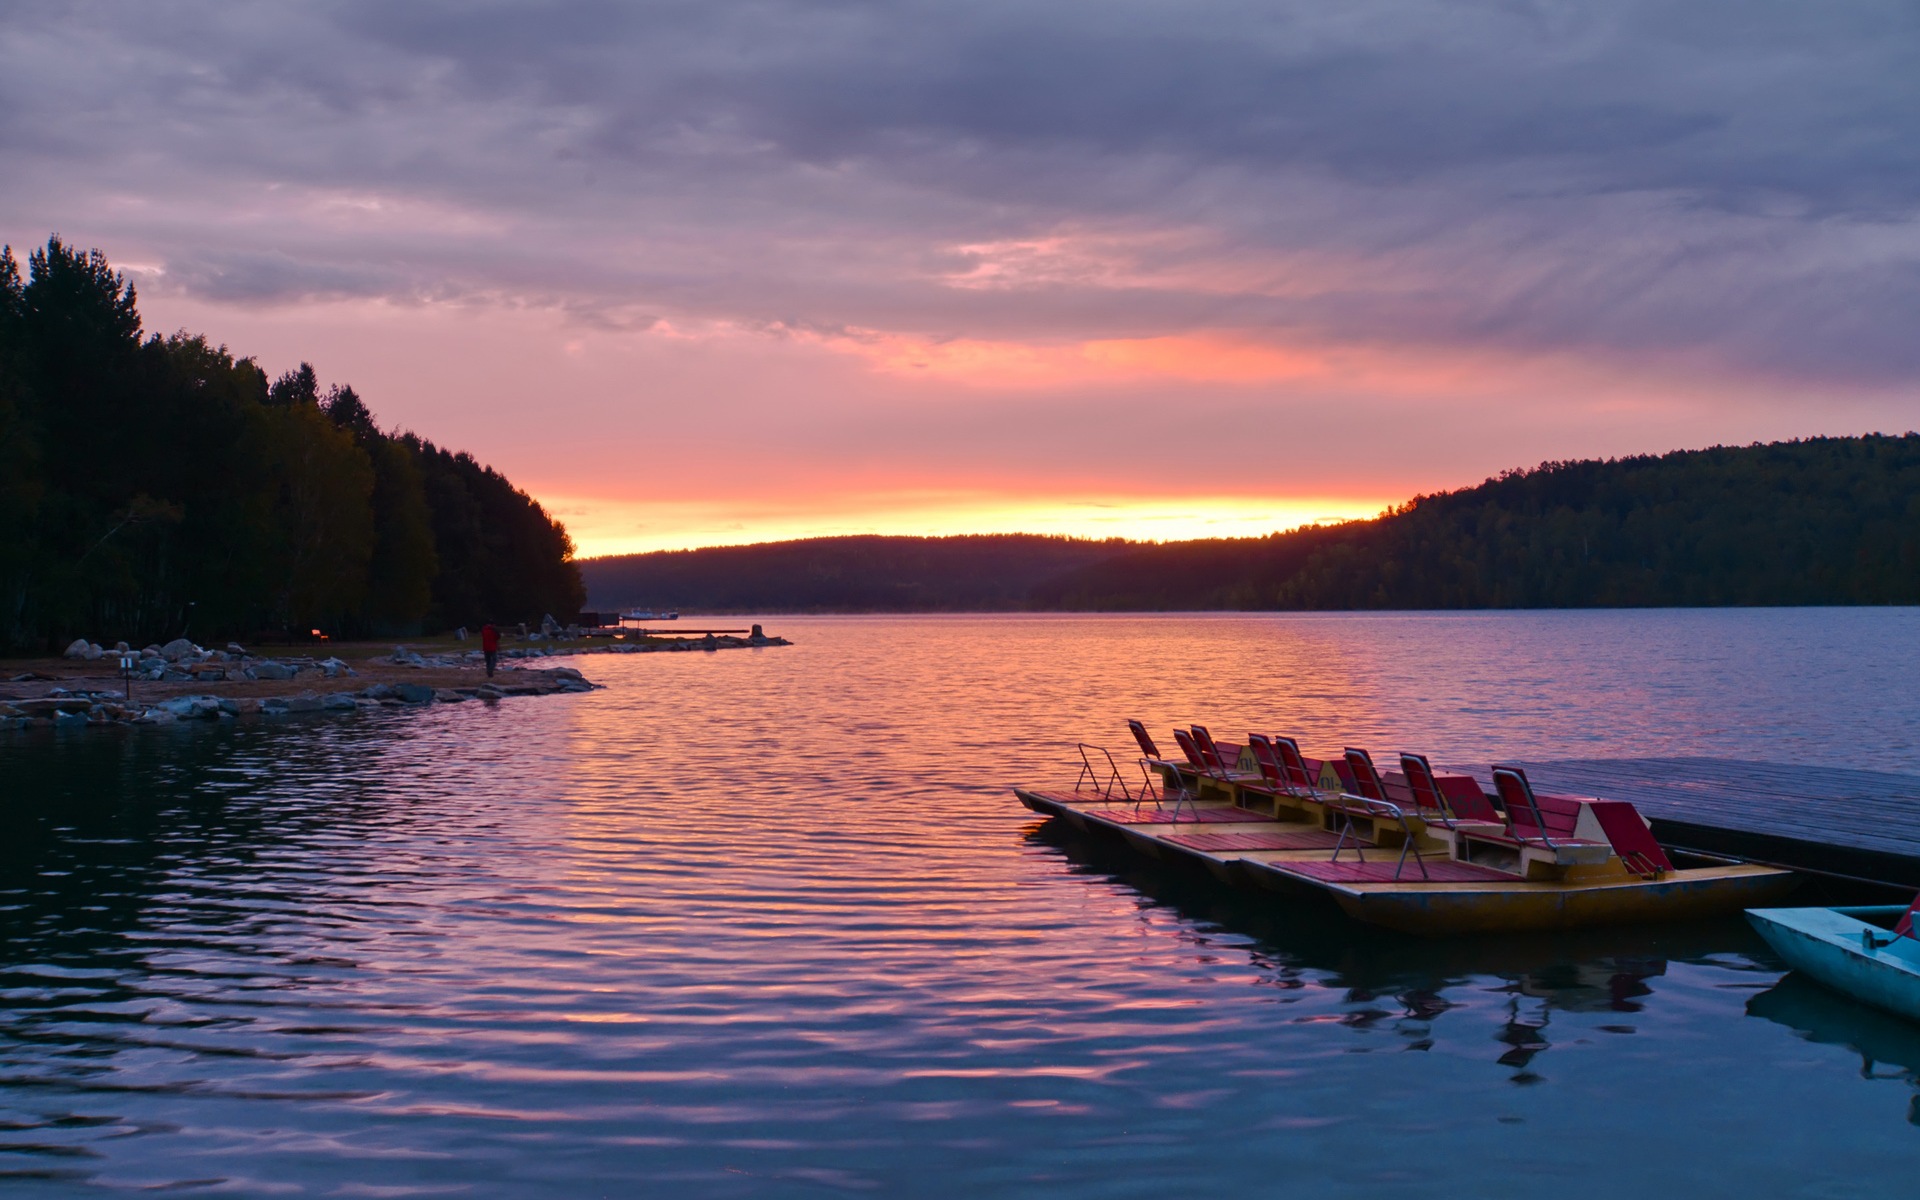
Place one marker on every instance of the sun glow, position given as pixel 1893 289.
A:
pixel 606 525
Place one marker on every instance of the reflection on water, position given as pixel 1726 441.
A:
pixel 769 923
pixel 1888 1047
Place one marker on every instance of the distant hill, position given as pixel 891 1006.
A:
pixel 982 572
pixel 1819 521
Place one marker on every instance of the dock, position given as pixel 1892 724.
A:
pixel 1842 821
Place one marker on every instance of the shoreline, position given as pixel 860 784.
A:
pixel 59 693
pixel 185 682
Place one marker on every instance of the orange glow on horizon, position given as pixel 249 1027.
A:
pixel 603 525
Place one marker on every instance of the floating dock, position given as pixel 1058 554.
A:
pixel 1843 821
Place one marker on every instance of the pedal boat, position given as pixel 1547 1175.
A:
pixel 1567 862
pixel 1868 953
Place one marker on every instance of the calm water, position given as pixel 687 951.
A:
pixel 768 923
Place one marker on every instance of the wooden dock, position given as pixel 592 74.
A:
pixel 1835 820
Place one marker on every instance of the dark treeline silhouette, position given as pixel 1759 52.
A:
pixel 160 486
pixel 1820 521
pixel 978 572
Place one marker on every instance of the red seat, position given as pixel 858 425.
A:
pixel 1551 820
pixel 1223 765
pixel 1144 738
pixel 1905 926
pixel 1454 803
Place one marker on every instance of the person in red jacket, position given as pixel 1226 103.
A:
pixel 490 645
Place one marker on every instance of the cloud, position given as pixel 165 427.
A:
pixel 1638 176
pixel 1221 207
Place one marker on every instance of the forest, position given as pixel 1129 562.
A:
pixel 1815 521
pixel 973 572
pixel 157 487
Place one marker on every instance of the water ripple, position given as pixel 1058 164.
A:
pixel 767 923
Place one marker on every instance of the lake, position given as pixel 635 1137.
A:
pixel 770 923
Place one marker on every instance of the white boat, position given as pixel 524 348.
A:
pixel 1868 953
pixel 647 614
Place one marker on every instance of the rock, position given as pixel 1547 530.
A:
pixel 178 649
pixel 236 649
pixel 150 652
pixel 65 719
pixel 340 702
pixel 448 696
pixel 413 693
pixel 305 702
pixel 273 706
pixel 29 677
pixel 565 673
pixel 229 707
pixel 333 668
pixel 488 692
pixel 269 669
pixel 209 675
pixel 157 716
pixel 378 691
pixel 460 634
pixel 77 648
pixel 190 708
pixel 121 647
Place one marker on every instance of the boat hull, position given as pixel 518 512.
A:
pixel 1487 903
pixel 1827 945
pixel 1446 910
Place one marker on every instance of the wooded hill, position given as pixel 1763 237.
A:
pixel 1820 521
pixel 160 486
pixel 981 572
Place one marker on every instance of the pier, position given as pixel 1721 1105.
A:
pixel 1834 820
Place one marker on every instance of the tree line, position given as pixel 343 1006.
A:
pixel 1815 521
pixel 859 573
pixel 156 486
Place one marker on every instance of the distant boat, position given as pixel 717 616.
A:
pixel 647 614
pixel 1868 952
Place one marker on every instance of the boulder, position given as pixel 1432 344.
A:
pixel 121 647
pixel 448 696
pixel 268 669
pixel 178 649
pixel 378 691
pixel 78 648
pixel 157 716
pixel 340 702
pixel 305 702
pixel 413 693
pixel 150 652
pixel 190 708
pixel 236 649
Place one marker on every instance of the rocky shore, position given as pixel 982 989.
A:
pixel 184 682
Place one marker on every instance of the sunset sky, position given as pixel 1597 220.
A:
pixel 703 273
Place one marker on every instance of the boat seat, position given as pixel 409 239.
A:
pixel 1904 927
